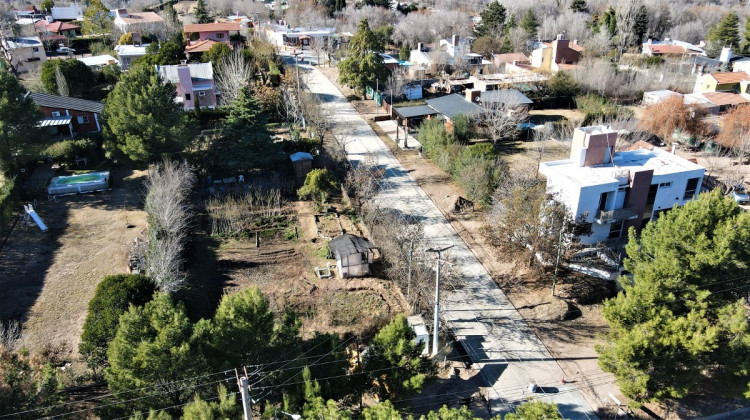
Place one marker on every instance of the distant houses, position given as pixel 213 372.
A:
pixel 135 21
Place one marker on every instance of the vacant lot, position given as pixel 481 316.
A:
pixel 48 278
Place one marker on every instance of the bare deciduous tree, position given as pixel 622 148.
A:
pixel 62 84
pixel 233 73
pixel 169 186
pixel 500 121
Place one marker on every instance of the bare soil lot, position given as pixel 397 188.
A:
pixel 48 278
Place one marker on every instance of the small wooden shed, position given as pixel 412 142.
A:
pixel 302 162
pixel 353 255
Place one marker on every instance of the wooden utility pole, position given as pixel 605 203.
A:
pixel 557 263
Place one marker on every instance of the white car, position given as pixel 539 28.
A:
pixel 65 50
pixel 739 194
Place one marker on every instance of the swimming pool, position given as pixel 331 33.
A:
pixel 78 184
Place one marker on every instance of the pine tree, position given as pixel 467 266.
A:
pixel 493 20
pixel 142 122
pixel 682 316
pixel 746 48
pixel 363 63
pixel 609 21
pixel 640 25
pixel 96 20
pixel 529 23
pixel 579 6
pixel 201 14
pixel 19 117
pixel 726 33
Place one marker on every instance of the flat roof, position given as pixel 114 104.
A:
pixel 661 161
pixel 453 104
pixel 415 111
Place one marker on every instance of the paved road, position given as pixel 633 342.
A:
pixel 500 343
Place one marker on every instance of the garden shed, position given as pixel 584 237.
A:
pixel 302 162
pixel 353 255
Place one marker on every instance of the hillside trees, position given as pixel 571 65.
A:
pixel 682 317
pixel 77 76
pixel 200 13
pixel 19 117
pixel 142 122
pixel 493 20
pixel 724 34
pixel 96 20
pixel 363 63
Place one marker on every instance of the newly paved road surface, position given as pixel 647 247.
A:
pixel 501 344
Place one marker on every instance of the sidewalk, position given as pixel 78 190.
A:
pixel 389 128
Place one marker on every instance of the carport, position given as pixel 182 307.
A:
pixel 411 116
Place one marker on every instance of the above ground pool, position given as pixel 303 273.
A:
pixel 77 184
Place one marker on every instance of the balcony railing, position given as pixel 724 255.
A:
pixel 611 216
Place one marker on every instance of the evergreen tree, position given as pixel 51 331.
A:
pixel 535 410
pixel 682 317
pixel 363 64
pixel 77 77
pixel 394 348
pixel 640 25
pixel 96 20
pixel 19 117
pixel 155 347
pixel 47 6
pixel 216 53
pixel 226 408
pixel 609 21
pixel 112 298
pixel 142 122
pixel 746 47
pixel 529 23
pixel 579 6
pixel 725 34
pixel 201 14
pixel 493 20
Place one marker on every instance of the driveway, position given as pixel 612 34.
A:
pixel 502 346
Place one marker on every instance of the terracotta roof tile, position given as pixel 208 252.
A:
pixel 510 57
pixel 142 17
pixel 730 77
pixel 209 27
pixel 725 98
pixel 202 46
pixel 667 49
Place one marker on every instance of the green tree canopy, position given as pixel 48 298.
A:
pixel 562 84
pixel 725 34
pixel 530 23
pixel 535 410
pixel 112 298
pixel 318 184
pixel 227 407
pixel 19 117
pixel 78 76
pixel 216 53
pixel 155 347
pixel 682 316
pixel 142 122
pixel 640 25
pixel 394 348
pixel 96 20
pixel 493 20
pixel 201 14
pixel 47 5
pixel 363 63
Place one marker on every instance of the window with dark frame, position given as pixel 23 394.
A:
pixel 690 188
pixel 187 96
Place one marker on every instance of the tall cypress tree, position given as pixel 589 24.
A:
pixel 640 26
pixel 727 32
pixel 530 23
pixel 493 20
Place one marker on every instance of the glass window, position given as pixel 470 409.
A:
pixel 187 96
pixel 55 113
pixel 35 49
pixel 615 229
pixel 83 119
pixel 690 188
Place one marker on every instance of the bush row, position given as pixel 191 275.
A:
pixel 475 168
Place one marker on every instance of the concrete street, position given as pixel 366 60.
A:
pixel 498 340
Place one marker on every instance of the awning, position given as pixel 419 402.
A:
pixel 55 121
pixel 414 111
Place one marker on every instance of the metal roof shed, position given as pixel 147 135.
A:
pixel 353 255
pixel 507 97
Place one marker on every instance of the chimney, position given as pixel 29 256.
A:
pixel 560 37
pixel 183 63
pixel 649 41
pixel 419 46
pixel 726 54
pixel 674 148
pixel 455 40
pixel 137 38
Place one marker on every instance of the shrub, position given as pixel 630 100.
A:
pixel 125 39
pixel 65 151
pixel 598 108
pixel 654 61
pixel 113 296
pixel 318 184
pixel 8 201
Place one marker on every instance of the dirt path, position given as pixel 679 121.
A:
pixel 49 278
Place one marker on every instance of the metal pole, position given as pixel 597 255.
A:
pixel 377 88
pixel 557 264
pixel 436 320
pixel 408 276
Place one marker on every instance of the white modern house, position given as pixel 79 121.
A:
pixel 23 53
pixel 67 13
pixel 128 53
pixel 614 191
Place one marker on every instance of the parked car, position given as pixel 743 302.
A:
pixel 739 194
pixel 66 50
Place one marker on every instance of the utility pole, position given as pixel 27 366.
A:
pixel 557 264
pixel 296 66
pixel 408 275
pixel 247 402
pixel 436 320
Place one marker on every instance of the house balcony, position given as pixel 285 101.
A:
pixel 617 215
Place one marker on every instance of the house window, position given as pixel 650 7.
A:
pixel 665 184
pixel 220 35
pixel 187 96
pixel 201 93
pixel 55 113
pixel 35 49
pixel 83 119
pixel 615 229
pixel 690 188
